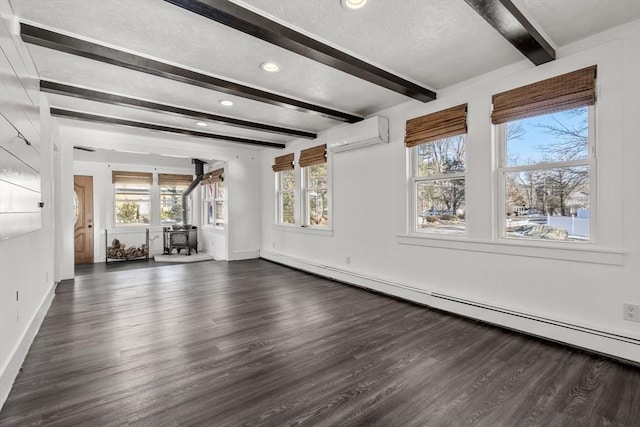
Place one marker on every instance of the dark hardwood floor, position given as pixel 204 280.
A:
pixel 256 343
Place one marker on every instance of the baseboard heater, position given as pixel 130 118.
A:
pixel 304 265
pixel 548 321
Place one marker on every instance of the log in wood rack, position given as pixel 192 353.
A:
pixel 107 260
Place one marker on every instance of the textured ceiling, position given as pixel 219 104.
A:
pixel 567 21
pixel 433 43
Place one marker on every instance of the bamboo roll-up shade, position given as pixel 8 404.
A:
pixel 435 126
pixel 283 163
pixel 174 180
pixel 123 177
pixel 571 90
pixel 313 156
pixel 213 177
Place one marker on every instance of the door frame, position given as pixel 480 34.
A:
pixel 93 225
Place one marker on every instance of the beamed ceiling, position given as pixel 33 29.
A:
pixel 163 65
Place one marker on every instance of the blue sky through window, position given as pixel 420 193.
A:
pixel 534 139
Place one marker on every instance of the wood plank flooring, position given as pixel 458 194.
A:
pixel 256 343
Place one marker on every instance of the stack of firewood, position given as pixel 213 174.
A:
pixel 119 250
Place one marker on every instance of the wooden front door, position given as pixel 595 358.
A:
pixel 83 216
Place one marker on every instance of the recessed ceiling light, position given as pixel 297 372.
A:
pixel 271 67
pixel 201 124
pixel 352 4
pixel 226 102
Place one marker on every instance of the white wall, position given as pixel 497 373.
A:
pixel 26 261
pixel 570 295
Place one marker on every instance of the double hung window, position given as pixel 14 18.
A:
pixel 214 198
pixel 547 157
pixel 285 189
pixel 438 156
pixel 315 189
pixel 132 197
pixel 171 188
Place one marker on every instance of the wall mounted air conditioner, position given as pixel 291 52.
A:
pixel 374 130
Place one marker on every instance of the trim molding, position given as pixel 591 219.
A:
pixel 244 254
pixel 578 252
pixel 612 344
pixel 12 367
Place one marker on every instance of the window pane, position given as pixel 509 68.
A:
pixel 171 204
pixel 441 206
pixel 208 203
pixel 316 196
pixel 551 204
pixel 287 180
pixel 219 220
pixel 316 176
pixel 556 137
pixel 287 208
pixel 440 157
pixel 132 204
pixel 219 190
pixel 318 212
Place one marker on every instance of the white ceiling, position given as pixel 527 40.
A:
pixel 434 43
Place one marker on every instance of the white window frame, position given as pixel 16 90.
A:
pixel 183 209
pixel 415 180
pixel 210 202
pixel 502 170
pixel 279 198
pixel 217 222
pixel 304 190
pixel 134 224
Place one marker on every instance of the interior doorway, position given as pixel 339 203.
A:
pixel 83 219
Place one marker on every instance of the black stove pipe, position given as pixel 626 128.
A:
pixel 199 174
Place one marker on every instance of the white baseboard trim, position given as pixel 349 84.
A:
pixel 611 343
pixel 242 255
pixel 12 367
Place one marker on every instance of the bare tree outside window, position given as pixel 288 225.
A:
pixel 439 185
pixel 547 174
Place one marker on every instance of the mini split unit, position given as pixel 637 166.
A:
pixel 374 130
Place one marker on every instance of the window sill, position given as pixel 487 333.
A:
pixel 577 252
pixel 319 231
pixel 212 229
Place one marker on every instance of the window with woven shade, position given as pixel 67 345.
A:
pixel 547 161
pixel 438 151
pixel 171 188
pixel 285 186
pixel 213 177
pixel 315 188
pixel 132 197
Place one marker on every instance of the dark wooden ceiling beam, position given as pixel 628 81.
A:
pixel 113 99
pixel 64 43
pixel 505 17
pixel 253 24
pixel 77 115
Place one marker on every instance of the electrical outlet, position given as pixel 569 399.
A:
pixel 631 312
pixel 273 244
pixel 348 260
